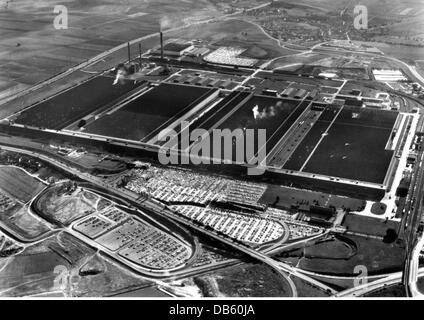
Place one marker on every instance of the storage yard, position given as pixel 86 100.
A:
pixel 134 240
pixel 174 186
pixel 16 185
pixel 250 229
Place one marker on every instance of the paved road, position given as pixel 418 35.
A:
pixel 413 219
pixel 158 208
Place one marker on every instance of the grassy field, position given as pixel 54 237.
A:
pixel 378 257
pixel 18 184
pixel 60 206
pixel 289 196
pixel 420 284
pixel 100 276
pixel 393 291
pixel 33 270
pixel 24 223
pixel 249 280
pixel 368 225
pixel 307 290
pixel 341 249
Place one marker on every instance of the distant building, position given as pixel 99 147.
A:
pixel 269 92
pixel 197 52
pixel 356 92
pixel 412 157
pixel 420 127
pixel 177 49
pixel 287 92
pixel 352 101
pixel 405 183
pixel 313 94
pixel 300 94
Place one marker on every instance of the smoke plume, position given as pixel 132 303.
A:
pixel 267 112
pixel 120 76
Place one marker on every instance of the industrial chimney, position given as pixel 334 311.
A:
pixel 129 53
pixel 161 45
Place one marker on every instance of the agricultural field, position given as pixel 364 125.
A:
pixel 8 248
pixel 143 117
pixel 33 50
pixel 23 223
pixel 34 166
pixel 17 184
pixel 76 103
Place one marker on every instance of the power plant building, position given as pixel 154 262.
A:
pixel 177 49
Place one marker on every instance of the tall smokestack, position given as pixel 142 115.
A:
pixel 139 52
pixel 161 45
pixel 129 52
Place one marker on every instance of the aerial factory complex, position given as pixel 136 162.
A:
pixel 336 112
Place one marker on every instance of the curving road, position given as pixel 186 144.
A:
pixel 158 208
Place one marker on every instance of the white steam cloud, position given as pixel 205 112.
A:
pixel 167 23
pixel 120 75
pixel 267 112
